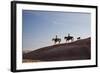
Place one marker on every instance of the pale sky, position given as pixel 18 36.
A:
pixel 39 27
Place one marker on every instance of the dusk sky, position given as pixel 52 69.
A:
pixel 39 27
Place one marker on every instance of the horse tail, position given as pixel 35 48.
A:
pixel 59 40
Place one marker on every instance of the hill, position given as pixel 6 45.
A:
pixel 77 50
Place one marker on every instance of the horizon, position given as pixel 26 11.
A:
pixel 29 50
pixel 39 27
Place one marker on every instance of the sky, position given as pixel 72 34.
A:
pixel 39 27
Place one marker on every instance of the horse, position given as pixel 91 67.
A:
pixel 56 40
pixel 68 38
pixel 78 38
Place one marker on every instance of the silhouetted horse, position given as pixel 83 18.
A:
pixel 56 40
pixel 68 38
pixel 78 38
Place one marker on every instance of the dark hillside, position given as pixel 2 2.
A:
pixel 77 50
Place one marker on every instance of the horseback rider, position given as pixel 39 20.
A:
pixel 68 34
pixel 56 39
pixel 68 38
pixel 56 36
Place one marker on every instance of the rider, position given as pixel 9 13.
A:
pixel 68 34
pixel 56 36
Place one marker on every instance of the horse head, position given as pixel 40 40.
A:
pixel 78 38
pixel 65 37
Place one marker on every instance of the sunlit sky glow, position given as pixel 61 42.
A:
pixel 39 27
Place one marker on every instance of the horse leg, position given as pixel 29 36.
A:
pixel 72 39
pixel 59 42
pixel 55 42
pixel 66 41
